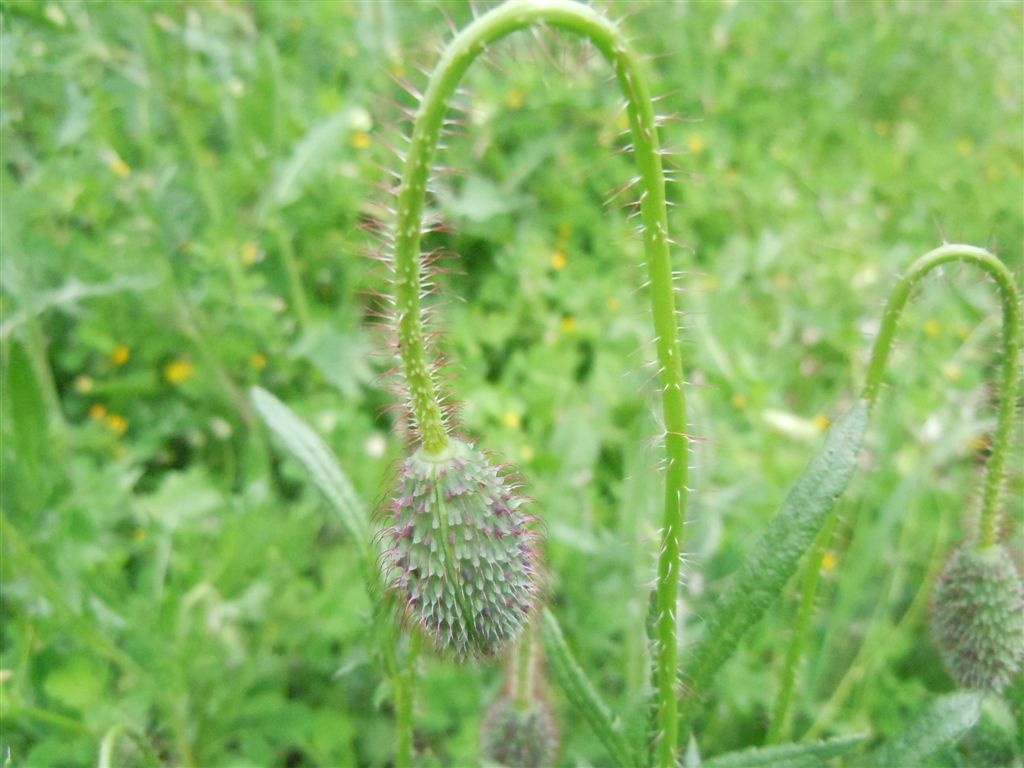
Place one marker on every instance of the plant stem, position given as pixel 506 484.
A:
pixel 524 671
pixel 581 20
pixel 1007 387
pixel 294 273
pixel 1007 384
pixel 812 575
pixel 404 682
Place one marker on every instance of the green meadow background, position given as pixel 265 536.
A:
pixel 188 193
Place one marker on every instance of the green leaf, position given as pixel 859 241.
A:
pixel 321 463
pixel 811 755
pixel 27 410
pixel 480 200
pixel 78 684
pixel 943 724
pixel 68 296
pixel 580 692
pixel 310 157
pixel 777 555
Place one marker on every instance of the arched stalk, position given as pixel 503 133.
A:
pixel 1007 387
pixel 1007 383
pixel 580 20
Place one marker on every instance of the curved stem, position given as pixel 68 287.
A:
pixel 1007 383
pixel 423 392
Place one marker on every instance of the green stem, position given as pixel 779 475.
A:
pixel 581 20
pixel 1007 387
pixel 292 270
pixel 405 686
pixel 1007 383
pixel 108 745
pixel 524 671
pixel 812 575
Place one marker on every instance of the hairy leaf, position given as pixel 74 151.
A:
pixel 943 724
pixel 777 555
pixel 323 466
pixel 811 755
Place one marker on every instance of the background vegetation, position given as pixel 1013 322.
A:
pixel 183 189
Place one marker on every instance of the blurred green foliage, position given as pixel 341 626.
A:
pixel 184 186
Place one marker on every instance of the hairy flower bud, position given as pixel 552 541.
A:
pixel 517 738
pixel 459 547
pixel 978 618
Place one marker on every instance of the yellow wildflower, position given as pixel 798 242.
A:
pixel 526 453
pixel 258 361
pixel 965 147
pixel 120 354
pixel 179 371
pixel 138 534
pixel 511 420
pixel 120 168
pixel 117 424
pixel 821 422
pixel 952 372
pixel 250 253
pixel 828 562
pixel 514 99
pixel 932 328
pixel 83 384
pixel 568 324
pixel 738 401
pixel 361 140
pixel 98 412
pixel 558 260
pixel 696 144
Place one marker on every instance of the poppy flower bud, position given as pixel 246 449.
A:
pixel 459 547
pixel 518 738
pixel 978 617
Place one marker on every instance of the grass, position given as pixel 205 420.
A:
pixel 182 192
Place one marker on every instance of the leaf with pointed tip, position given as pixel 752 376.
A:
pixel 321 463
pixel 943 724
pixel 812 755
pixel 777 555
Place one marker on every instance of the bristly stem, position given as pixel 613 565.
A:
pixel 1007 384
pixel 581 20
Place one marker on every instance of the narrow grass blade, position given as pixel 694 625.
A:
pixel 581 694
pixel 943 724
pixel 321 463
pixel 776 556
pixel 815 754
